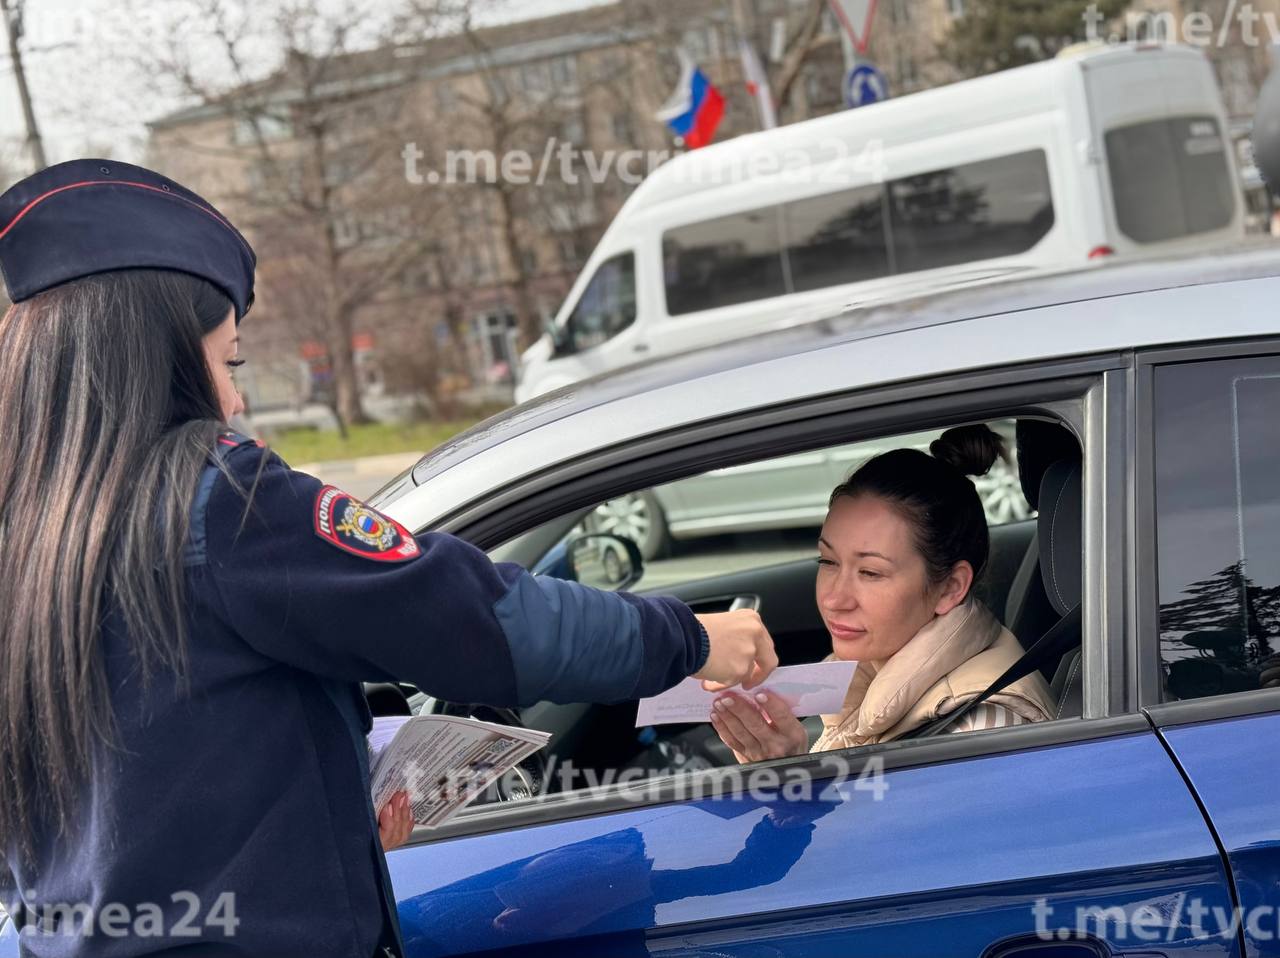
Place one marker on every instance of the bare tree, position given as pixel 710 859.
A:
pixel 315 162
pixel 12 11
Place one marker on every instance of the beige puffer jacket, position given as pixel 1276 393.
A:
pixel 949 662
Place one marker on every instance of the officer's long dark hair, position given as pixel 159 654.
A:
pixel 108 413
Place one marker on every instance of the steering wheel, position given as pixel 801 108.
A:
pixel 529 777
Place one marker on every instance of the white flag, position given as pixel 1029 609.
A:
pixel 758 84
pixel 681 101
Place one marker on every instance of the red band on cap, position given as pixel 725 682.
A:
pixel 142 186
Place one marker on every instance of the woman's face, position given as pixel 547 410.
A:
pixel 873 588
pixel 221 348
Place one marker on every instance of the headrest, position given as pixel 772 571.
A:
pixel 1039 445
pixel 1059 534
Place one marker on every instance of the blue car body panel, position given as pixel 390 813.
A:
pixel 1232 765
pixel 951 860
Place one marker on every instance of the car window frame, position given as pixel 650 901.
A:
pixel 1088 394
pixel 1146 674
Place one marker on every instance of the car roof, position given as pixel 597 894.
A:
pixel 976 306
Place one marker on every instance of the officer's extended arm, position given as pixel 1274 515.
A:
pixel 446 619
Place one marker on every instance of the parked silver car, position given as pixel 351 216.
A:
pixel 789 492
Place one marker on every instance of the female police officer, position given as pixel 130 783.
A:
pixel 184 622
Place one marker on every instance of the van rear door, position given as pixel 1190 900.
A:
pixel 1168 180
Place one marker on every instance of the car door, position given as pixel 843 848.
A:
pixel 1212 631
pixel 1070 837
pixel 1075 829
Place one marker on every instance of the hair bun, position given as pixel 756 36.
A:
pixel 971 449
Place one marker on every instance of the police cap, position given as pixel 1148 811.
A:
pixel 84 217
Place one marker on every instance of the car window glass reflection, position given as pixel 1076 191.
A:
pixel 1218 526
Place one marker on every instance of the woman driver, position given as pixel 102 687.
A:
pixel 904 539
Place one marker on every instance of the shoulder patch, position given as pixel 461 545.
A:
pixel 344 521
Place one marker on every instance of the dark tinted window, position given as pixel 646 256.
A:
pixel 1170 178
pixel 1217 450
pixel 836 239
pixel 607 306
pixel 734 259
pixel 956 215
pixel 972 212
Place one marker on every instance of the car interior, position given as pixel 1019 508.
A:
pixel 1032 582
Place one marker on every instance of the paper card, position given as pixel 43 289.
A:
pixel 816 689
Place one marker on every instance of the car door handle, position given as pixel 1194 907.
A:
pixel 751 602
pixel 640 348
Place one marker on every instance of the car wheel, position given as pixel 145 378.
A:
pixel 1001 495
pixel 637 516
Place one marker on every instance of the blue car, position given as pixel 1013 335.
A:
pixel 1142 821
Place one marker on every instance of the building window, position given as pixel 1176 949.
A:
pixel 572 130
pixel 702 43
pixel 908 75
pixel 536 77
pixel 564 74
pixel 270 128
pixel 623 131
pixel 446 99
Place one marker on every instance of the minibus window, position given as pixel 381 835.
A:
pixel 837 238
pixel 733 259
pixel 1170 178
pixel 607 306
pixel 997 207
pixel 972 212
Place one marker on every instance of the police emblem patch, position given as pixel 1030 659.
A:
pixel 346 522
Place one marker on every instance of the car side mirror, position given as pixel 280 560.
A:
pixel 605 561
pixel 559 335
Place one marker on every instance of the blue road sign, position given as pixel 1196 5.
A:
pixel 864 84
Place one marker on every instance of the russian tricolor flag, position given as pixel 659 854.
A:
pixel 695 109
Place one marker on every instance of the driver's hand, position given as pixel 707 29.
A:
pixel 395 821
pixel 741 650
pixel 758 729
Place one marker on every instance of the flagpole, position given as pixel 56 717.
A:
pixel 765 112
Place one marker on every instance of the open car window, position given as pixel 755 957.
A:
pixel 743 532
pixel 739 517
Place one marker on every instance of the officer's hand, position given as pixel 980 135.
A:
pixel 395 821
pixel 741 650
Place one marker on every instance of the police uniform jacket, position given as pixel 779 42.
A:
pixel 237 801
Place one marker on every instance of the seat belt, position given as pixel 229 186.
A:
pixel 1064 635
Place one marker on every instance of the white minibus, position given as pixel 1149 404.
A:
pixel 1102 151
